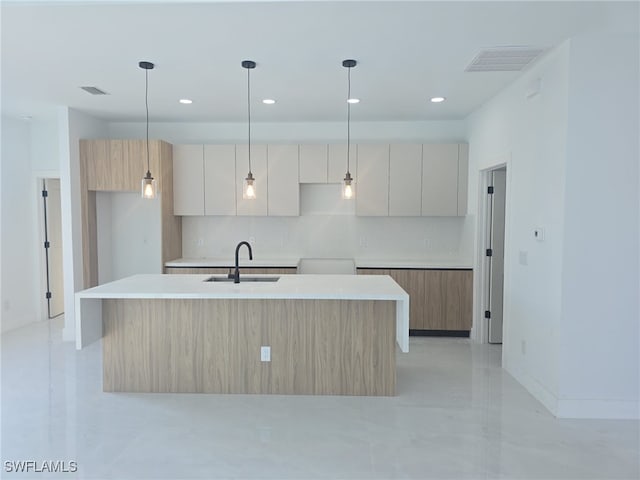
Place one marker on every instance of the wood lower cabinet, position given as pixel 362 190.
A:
pixel 225 270
pixel 439 299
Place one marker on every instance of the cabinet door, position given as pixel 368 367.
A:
pixel 257 206
pixel 95 155
pixel 463 178
pixel 134 153
pixel 405 180
pixel 313 163
pixel 440 180
pixel 337 162
pixel 188 182
pixel 284 189
pixel 219 179
pixel 372 180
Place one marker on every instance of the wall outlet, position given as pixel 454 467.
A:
pixel 538 234
pixel 265 354
pixel 200 242
pixel 364 242
pixel 427 243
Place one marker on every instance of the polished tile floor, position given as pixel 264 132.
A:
pixel 457 415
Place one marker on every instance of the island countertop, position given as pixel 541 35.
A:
pixel 328 287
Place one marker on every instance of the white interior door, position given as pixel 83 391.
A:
pixel 496 269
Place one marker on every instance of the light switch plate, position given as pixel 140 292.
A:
pixel 538 234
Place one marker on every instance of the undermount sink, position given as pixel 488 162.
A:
pixel 243 279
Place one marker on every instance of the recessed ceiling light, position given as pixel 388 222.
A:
pixel 437 99
pixel 353 100
pixel 268 101
pixel 186 101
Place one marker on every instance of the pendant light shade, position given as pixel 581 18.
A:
pixel 347 187
pixel 249 187
pixel 149 188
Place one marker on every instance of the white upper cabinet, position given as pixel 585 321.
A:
pixel 440 180
pixel 405 180
pixel 313 163
pixel 372 180
pixel 337 162
pixel 284 188
pixel 257 206
pixel 463 178
pixel 219 179
pixel 188 182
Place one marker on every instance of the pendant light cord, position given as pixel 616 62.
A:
pixel 348 117
pixel 146 103
pixel 249 113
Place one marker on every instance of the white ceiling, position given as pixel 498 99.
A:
pixel 407 52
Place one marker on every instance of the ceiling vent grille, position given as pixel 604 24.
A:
pixel 504 59
pixel 94 91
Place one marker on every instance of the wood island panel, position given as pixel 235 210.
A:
pixel 318 347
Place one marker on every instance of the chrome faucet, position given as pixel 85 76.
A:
pixel 236 274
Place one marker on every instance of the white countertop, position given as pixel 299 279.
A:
pixel 293 262
pixel 230 262
pixel 346 287
pixel 410 263
pixel 323 287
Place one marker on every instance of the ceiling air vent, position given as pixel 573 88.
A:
pixel 94 91
pixel 504 59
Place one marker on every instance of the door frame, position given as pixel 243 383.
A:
pixel 480 330
pixel 41 176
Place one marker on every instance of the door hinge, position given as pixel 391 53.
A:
pixel 487 314
pixel 490 190
pixel 47 244
pixel 48 295
pixel 45 193
pixel 489 252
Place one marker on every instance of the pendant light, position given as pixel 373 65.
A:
pixel 249 187
pixel 149 189
pixel 347 187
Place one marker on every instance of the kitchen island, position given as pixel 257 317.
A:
pixel 327 334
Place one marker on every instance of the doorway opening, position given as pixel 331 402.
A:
pixel 51 234
pixel 489 303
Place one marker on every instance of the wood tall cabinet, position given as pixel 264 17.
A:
pixel 118 166
pixel 439 299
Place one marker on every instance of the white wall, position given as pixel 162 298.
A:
pixel 324 132
pixel 73 125
pixel 19 298
pixel 530 133
pixel 335 232
pixel 128 231
pixel 600 358
pixel 571 313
